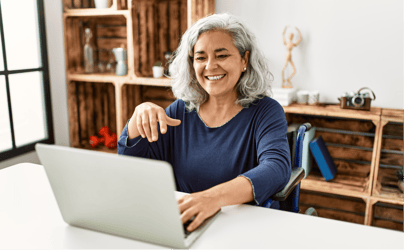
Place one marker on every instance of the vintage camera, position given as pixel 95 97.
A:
pixel 357 100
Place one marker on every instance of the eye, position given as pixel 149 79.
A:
pixel 200 58
pixel 223 56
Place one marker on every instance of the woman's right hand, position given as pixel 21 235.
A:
pixel 144 121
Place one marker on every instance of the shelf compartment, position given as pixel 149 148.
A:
pixel 108 33
pixel 350 143
pixel 157 28
pixel 351 180
pixel 91 107
pixel 388 216
pixel 88 6
pixel 161 96
pixel 133 95
pixel 334 206
pixel 390 162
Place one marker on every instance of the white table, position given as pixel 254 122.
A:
pixel 30 218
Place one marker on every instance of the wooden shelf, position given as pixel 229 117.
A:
pixel 393 115
pixel 390 198
pixel 94 12
pixel 333 110
pixel 112 78
pixel 101 77
pixel 163 82
pixel 340 185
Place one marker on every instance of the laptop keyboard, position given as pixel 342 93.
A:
pixel 186 224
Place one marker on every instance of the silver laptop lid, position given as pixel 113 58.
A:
pixel 115 194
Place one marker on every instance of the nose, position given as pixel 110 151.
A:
pixel 211 64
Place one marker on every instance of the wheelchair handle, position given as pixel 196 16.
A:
pixel 307 125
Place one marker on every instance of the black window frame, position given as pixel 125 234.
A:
pixel 16 151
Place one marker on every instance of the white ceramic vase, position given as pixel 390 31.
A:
pixel 158 71
pixel 102 4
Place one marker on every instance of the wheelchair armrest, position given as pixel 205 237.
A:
pixel 295 178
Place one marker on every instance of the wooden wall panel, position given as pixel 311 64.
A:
pixel 352 168
pixel 163 93
pixel 183 17
pixel 73 114
pixel 157 28
pixel 144 64
pixel 89 96
pixel 333 206
pixel 161 96
pixel 174 34
pixel 111 31
pixel 68 4
pixel 82 112
pixel 392 128
pixel 112 108
pixel 151 33
pixel 388 216
pixel 86 3
pixel 334 123
pixel 392 144
pixel 347 139
pixel 124 111
pixel 79 4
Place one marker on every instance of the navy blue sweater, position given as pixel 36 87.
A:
pixel 252 144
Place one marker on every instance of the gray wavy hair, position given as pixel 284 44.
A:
pixel 253 84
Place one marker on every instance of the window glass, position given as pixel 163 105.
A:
pixel 20 23
pixel 1 55
pixel 27 104
pixel 5 131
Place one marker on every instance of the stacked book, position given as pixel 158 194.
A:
pixel 284 96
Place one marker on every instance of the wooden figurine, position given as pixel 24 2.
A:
pixel 289 46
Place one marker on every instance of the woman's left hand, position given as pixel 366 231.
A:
pixel 202 205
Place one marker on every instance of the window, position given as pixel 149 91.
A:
pixel 25 107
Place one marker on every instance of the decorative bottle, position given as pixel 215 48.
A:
pixel 88 53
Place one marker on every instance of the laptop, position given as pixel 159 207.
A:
pixel 116 194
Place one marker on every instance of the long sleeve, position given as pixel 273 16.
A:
pixel 273 155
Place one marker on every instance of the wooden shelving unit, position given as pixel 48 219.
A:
pixel 366 145
pixel 367 149
pixel 147 29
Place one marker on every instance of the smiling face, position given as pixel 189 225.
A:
pixel 218 64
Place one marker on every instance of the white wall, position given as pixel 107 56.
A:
pixel 346 44
pixel 54 35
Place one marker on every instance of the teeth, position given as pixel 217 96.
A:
pixel 215 77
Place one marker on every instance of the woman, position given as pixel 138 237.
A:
pixel 225 139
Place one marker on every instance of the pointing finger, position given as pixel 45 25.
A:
pixel 163 123
pixel 172 122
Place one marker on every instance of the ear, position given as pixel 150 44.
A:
pixel 246 59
